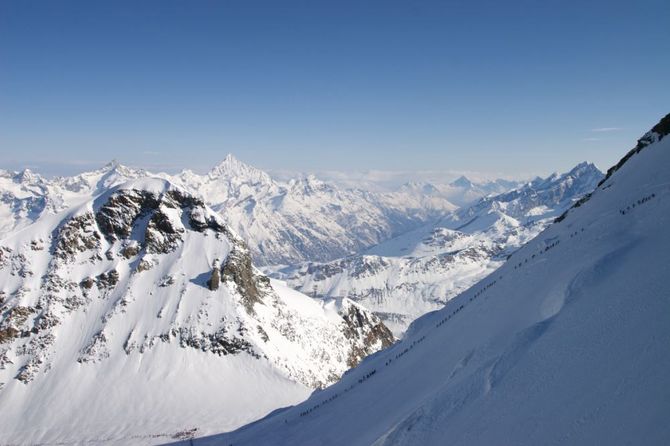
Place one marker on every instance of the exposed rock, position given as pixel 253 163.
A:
pixel 218 343
pixel 215 279
pixel 360 324
pixel 166 281
pixel 144 265
pixel 87 283
pixel 131 250
pixel 8 334
pixel 116 217
pixel 161 235
pixel 238 269
pixel 108 279
pixel 77 235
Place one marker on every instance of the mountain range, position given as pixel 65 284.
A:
pixel 566 343
pixel 416 272
pixel 142 299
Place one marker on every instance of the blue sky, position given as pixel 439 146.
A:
pixel 501 87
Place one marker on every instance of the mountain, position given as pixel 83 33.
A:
pixel 23 199
pixel 305 218
pixel 463 192
pixel 282 222
pixel 26 196
pixel 137 315
pixel 419 271
pixel 567 343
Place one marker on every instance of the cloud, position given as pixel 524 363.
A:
pixel 386 180
pixel 606 129
pixel 592 139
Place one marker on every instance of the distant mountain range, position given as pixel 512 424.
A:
pixel 283 222
pixel 419 271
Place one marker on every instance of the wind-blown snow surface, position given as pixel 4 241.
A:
pixel 419 271
pixel 138 315
pixel 567 343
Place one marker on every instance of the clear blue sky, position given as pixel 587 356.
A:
pixel 497 86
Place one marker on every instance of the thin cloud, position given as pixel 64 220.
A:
pixel 592 139
pixel 606 129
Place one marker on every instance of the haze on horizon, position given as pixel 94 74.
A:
pixel 512 90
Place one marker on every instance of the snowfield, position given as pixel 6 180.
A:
pixel 567 343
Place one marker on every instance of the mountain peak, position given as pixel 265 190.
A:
pixel 462 181
pixel 232 168
pixel 27 176
pixel 584 167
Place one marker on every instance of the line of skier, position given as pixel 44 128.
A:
pixel 638 203
pixel 362 379
pixel 542 251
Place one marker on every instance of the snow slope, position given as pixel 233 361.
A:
pixel 137 316
pixel 567 343
pixel 419 271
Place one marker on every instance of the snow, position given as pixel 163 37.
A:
pixel 416 272
pixel 567 343
pixel 136 361
pixel 300 219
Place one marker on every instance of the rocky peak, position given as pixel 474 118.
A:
pixel 233 170
pixel 462 182
pixel 363 325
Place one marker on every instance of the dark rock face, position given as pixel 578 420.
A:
pixel 77 235
pixel 116 217
pixel 239 270
pixel 215 279
pixel 107 280
pixel 161 235
pixel 359 323
pixel 130 251
pixel 219 343
pixel 12 322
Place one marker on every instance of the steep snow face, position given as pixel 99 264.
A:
pixel 138 315
pixel 567 343
pixel 419 271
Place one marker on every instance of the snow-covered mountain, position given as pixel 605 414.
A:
pixel 283 222
pixel 419 271
pixel 137 315
pixel 305 218
pixel 26 196
pixel 567 343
